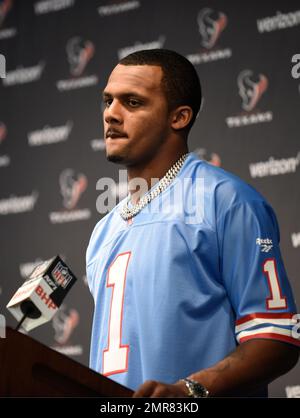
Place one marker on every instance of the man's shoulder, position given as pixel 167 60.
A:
pixel 222 184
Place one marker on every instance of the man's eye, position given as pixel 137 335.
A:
pixel 107 102
pixel 133 103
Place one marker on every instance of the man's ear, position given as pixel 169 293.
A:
pixel 181 117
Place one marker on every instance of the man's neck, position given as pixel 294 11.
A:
pixel 152 171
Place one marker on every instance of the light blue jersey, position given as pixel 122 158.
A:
pixel 174 295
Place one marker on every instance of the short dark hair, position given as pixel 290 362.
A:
pixel 180 80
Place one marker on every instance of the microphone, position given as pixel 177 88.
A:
pixel 40 296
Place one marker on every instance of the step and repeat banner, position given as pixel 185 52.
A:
pixel 56 56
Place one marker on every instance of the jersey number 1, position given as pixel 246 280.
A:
pixel 276 300
pixel 115 357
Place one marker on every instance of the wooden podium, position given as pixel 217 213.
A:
pixel 29 368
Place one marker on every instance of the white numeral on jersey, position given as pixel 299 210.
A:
pixel 276 300
pixel 116 355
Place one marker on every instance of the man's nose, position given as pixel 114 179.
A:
pixel 113 113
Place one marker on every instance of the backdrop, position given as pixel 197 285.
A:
pixel 58 56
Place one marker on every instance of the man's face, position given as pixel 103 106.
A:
pixel 136 117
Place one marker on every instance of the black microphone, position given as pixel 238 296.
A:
pixel 40 296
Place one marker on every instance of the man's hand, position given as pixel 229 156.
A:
pixel 154 389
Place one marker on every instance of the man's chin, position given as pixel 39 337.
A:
pixel 115 158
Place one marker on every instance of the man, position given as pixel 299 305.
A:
pixel 185 305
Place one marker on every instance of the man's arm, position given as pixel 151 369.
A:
pixel 252 365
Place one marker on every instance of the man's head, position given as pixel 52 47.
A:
pixel 151 97
pixel 180 81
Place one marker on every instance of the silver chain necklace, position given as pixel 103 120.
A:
pixel 128 213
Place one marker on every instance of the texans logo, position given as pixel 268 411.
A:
pixel 79 53
pixel 251 89
pixel 71 186
pixel 210 27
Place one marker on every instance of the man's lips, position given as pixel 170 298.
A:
pixel 113 133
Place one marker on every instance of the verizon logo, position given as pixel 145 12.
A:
pixel 280 21
pixel 47 6
pixel 18 204
pixel 23 75
pixel 274 167
pixel 138 45
pixel 50 135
